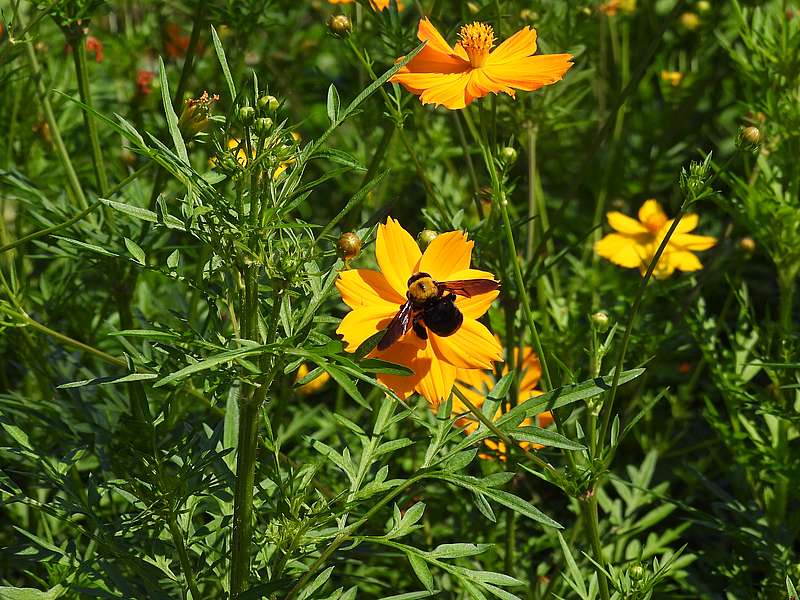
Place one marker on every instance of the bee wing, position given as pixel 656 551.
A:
pixel 469 287
pixel 397 327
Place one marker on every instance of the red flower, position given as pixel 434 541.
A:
pixel 143 80
pixel 95 46
pixel 175 44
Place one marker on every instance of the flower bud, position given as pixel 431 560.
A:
pixel 749 139
pixel 268 104
pixel 263 126
pixel 340 26
pixel 703 6
pixel 508 156
pixel 747 245
pixel 690 21
pixel 473 8
pixel 246 115
pixel 195 116
pixel 600 321
pixel 425 237
pixel 636 572
pixel 348 246
pixel 528 15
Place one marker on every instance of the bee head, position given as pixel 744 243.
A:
pixel 421 288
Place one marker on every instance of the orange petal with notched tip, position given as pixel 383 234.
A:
pixel 529 73
pixel 519 45
pixel 397 254
pixel 450 91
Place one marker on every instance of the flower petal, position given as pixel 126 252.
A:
pixel 528 73
pixel 397 254
pixel 651 212
pixel 624 224
pixel 364 287
pixel 436 383
pixel 531 372
pixel 472 346
pixel 687 241
pixel 621 249
pixel 450 91
pixel 448 253
pixel 684 261
pixel 688 223
pixel 426 32
pixel 406 354
pixel 361 323
pixel 474 307
pixel 519 45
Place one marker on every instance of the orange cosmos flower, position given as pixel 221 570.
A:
pixel 375 4
pixel 376 297
pixel 476 384
pixel 454 77
pixel 635 242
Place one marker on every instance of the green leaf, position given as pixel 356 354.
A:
pixel 347 384
pixel 421 570
pixel 18 435
pixel 458 550
pixel 213 361
pixel 223 62
pixel 546 437
pixel 411 595
pixel 169 111
pixel 333 103
pixel 109 380
pixel 135 251
pixel 521 506
pixel 575 576
pixel 15 593
pixel 318 582
pixel 144 214
pixel 500 389
pixel 92 247
pixel 376 365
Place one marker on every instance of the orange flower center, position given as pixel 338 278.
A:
pixel 477 39
pixel 655 223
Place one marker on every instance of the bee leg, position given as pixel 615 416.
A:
pixel 419 327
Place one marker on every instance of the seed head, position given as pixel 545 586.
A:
pixel 348 246
pixel 425 237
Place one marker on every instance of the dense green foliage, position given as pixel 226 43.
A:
pixel 167 268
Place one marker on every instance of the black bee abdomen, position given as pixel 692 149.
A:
pixel 442 316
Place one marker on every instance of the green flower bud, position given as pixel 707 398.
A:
pixel 268 104
pixel 508 156
pixel 600 321
pixel 425 237
pixel 636 572
pixel 246 115
pixel 263 126
pixel 348 247
pixel 749 139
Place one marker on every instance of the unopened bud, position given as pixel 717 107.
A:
pixel 747 244
pixel 703 6
pixel 600 321
pixel 348 246
pixel 340 26
pixel 268 104
pixel 263 126
pixel 425 237
pixel 508 156
pixel 473 8
pixel 690 21
pixel 749 139
pixel 636 572
pixel 246 115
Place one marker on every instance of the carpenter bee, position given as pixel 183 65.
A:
pixel 431 304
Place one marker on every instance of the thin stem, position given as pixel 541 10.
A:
pixel 592 529
pixel 81 70
pixel 74 185
pixel 183 557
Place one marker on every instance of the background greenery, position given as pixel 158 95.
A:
pixel 124 357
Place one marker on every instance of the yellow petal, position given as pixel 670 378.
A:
pixel 436 383
pixel 450 91
pixel 621 249
pixel 361 323
pixel 406 354
pixel 448 253
pixel 688 223
pixel 531 372
pixel 688 241
pixel 397 254
pixel 684 261
pixel 519 45
pixel 651 212
pixel 364 287
pixel 624 224
pixel 472 346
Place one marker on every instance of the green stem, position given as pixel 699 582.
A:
pixel 81 70
pixel 183 557
pixel 589 515
pixel 74 185
pixel 511 541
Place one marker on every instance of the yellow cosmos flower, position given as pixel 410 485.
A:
pixel 376 297
pixel 634 243
pixel 375 4
pixel 313 386
pixel 475 384
pixel 455 76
